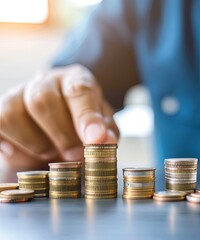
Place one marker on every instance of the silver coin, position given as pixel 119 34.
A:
pixel 177 181
pixel 139 172
pixel 181 161
pixel 32 173
pixel 193 199
pixel 139 185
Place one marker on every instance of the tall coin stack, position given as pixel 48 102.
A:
pixel 100 171
pixel 139 183
pixel 37 181
pixel 181 174
pixel 65 180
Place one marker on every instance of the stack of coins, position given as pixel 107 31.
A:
pixel 16 196
pixel 34 180
pixel 65 180
pixel 169 196
pixel 181 174
pixel 139 183
pixel 8 186
pixel 100 171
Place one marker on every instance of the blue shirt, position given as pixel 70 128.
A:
pixel 124 42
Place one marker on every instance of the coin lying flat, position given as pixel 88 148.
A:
pixel 169 195
pixel 8 186
pixel 21 200
pixel 16 196
pixel 18 193
pixel 197 195
pixel 192 198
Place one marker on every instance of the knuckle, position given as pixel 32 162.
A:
pixel 79 80
pixel 37 101
pixel 10 107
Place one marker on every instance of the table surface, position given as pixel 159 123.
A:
pixel 101 219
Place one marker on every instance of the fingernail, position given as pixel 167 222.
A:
pixel 74 154
pixel 6 148
pixel 94 132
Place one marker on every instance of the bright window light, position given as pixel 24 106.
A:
pixel 135 121
pixel 83 3
pixel 23 11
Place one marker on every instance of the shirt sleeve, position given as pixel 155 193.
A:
pixel 104 44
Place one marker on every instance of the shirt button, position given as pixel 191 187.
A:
pixel 170 105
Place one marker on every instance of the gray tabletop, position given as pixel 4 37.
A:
pixel 100 219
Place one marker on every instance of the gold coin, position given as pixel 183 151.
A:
pixel 19 200
pixel 72 194
pixel 100 160
pixel 101 173
pixel 65 165
pixel 65 170
pixel 168 199
pixel 100 165
pixel 64 175
pixel 101 192
pixel 139 179
pixel 96 184
pixel 8 186
pixel 33 180
pixel 138 194
pixel 33 186
pixel 170 195
pixel 65 188
pixel 46 181
pixel 41 195
pixel 64 183
pixel 100 178
pixel 100 170
pixel 101 197
pixel 137 197
pixel 16 194
pixel 182 170
pixel 100 146
pixel 100 187
pixel 185 186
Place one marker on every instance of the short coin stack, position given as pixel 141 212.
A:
pixel 37 181
pixel 65 180
pixel 139 183
pixel 16 196
pixel 8 186
pixel 100 171
pixel 181 174
pixel 169 196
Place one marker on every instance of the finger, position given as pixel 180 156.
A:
pixel 46 106
pixel 18 160
pixel 83 97
pixel 18 128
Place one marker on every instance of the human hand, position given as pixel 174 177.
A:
pixel 52 116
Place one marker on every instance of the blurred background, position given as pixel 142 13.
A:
pixel 32 31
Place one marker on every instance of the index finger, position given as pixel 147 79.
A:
pixel 84 99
